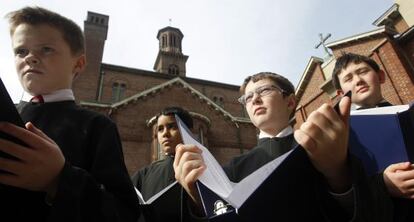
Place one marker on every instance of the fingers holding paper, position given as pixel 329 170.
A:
pixel 188 166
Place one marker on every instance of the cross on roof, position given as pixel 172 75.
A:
pixel 322 42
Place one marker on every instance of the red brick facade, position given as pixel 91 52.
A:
pixel 394 53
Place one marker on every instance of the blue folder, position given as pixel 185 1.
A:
pixel 379 140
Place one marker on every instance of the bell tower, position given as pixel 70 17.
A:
pixel 170 59
pixel 86 85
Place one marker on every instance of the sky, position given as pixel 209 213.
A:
pixel 226 40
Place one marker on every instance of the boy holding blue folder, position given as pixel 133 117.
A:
pixel 363 76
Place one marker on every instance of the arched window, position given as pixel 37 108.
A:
pixel 118 91
pixel 173 70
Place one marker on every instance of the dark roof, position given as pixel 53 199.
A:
pixel 169 28
pixel 142 72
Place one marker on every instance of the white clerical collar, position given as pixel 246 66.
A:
pixel 285 132
pixel 357 107
pixel 56 96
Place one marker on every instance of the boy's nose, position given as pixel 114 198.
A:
pixel 358 80
pixel 256 98
pixel 31 59
pixel 165 133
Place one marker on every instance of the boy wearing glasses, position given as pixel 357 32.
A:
pixel 270 103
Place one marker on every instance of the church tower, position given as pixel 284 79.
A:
pixel 170 59
pixel 86 84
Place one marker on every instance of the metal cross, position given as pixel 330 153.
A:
pixel 322 42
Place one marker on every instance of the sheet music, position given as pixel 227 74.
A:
pixel 216 179
pixel 214 176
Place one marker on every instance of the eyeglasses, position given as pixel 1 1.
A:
pixel 260 91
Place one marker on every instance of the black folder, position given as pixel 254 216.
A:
pixel 8 113
pixel 287 194
pixel 166 207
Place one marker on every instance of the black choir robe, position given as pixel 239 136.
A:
pixel 152 179
pixel 94 184
pixel 313 200
pixel 308 201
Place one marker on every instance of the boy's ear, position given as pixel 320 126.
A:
pixel 80 65
pixel 291 102
pixel 381 76
pixel 339 92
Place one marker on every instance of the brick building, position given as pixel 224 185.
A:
pixel 132 97
pixel 391 45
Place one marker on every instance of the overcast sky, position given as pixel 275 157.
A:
pixel 225 40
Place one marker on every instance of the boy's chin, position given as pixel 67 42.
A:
pixel 33 90
pixel 168 150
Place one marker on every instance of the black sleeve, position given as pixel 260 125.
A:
pixel 187 210
pixel 371 199
pixel 105 191
pixel 138 177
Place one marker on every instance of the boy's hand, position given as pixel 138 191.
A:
pixel 41 161
pixel 324 136
pixel 188 166
pixel 399 180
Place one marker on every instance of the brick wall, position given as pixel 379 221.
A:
pixel 400 24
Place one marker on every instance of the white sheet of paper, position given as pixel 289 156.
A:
pixel 214 176
pixel 381 110
pixel 216 179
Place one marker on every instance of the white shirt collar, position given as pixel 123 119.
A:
pixel 356 107
pixel 285 132
pixel 56 96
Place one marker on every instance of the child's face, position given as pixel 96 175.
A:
pixel 43 59
pixel 364 83
pixel 269 113
pixel 168 133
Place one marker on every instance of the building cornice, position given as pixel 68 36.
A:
pixel 156 89
pixel 391 11
pixel 362 36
